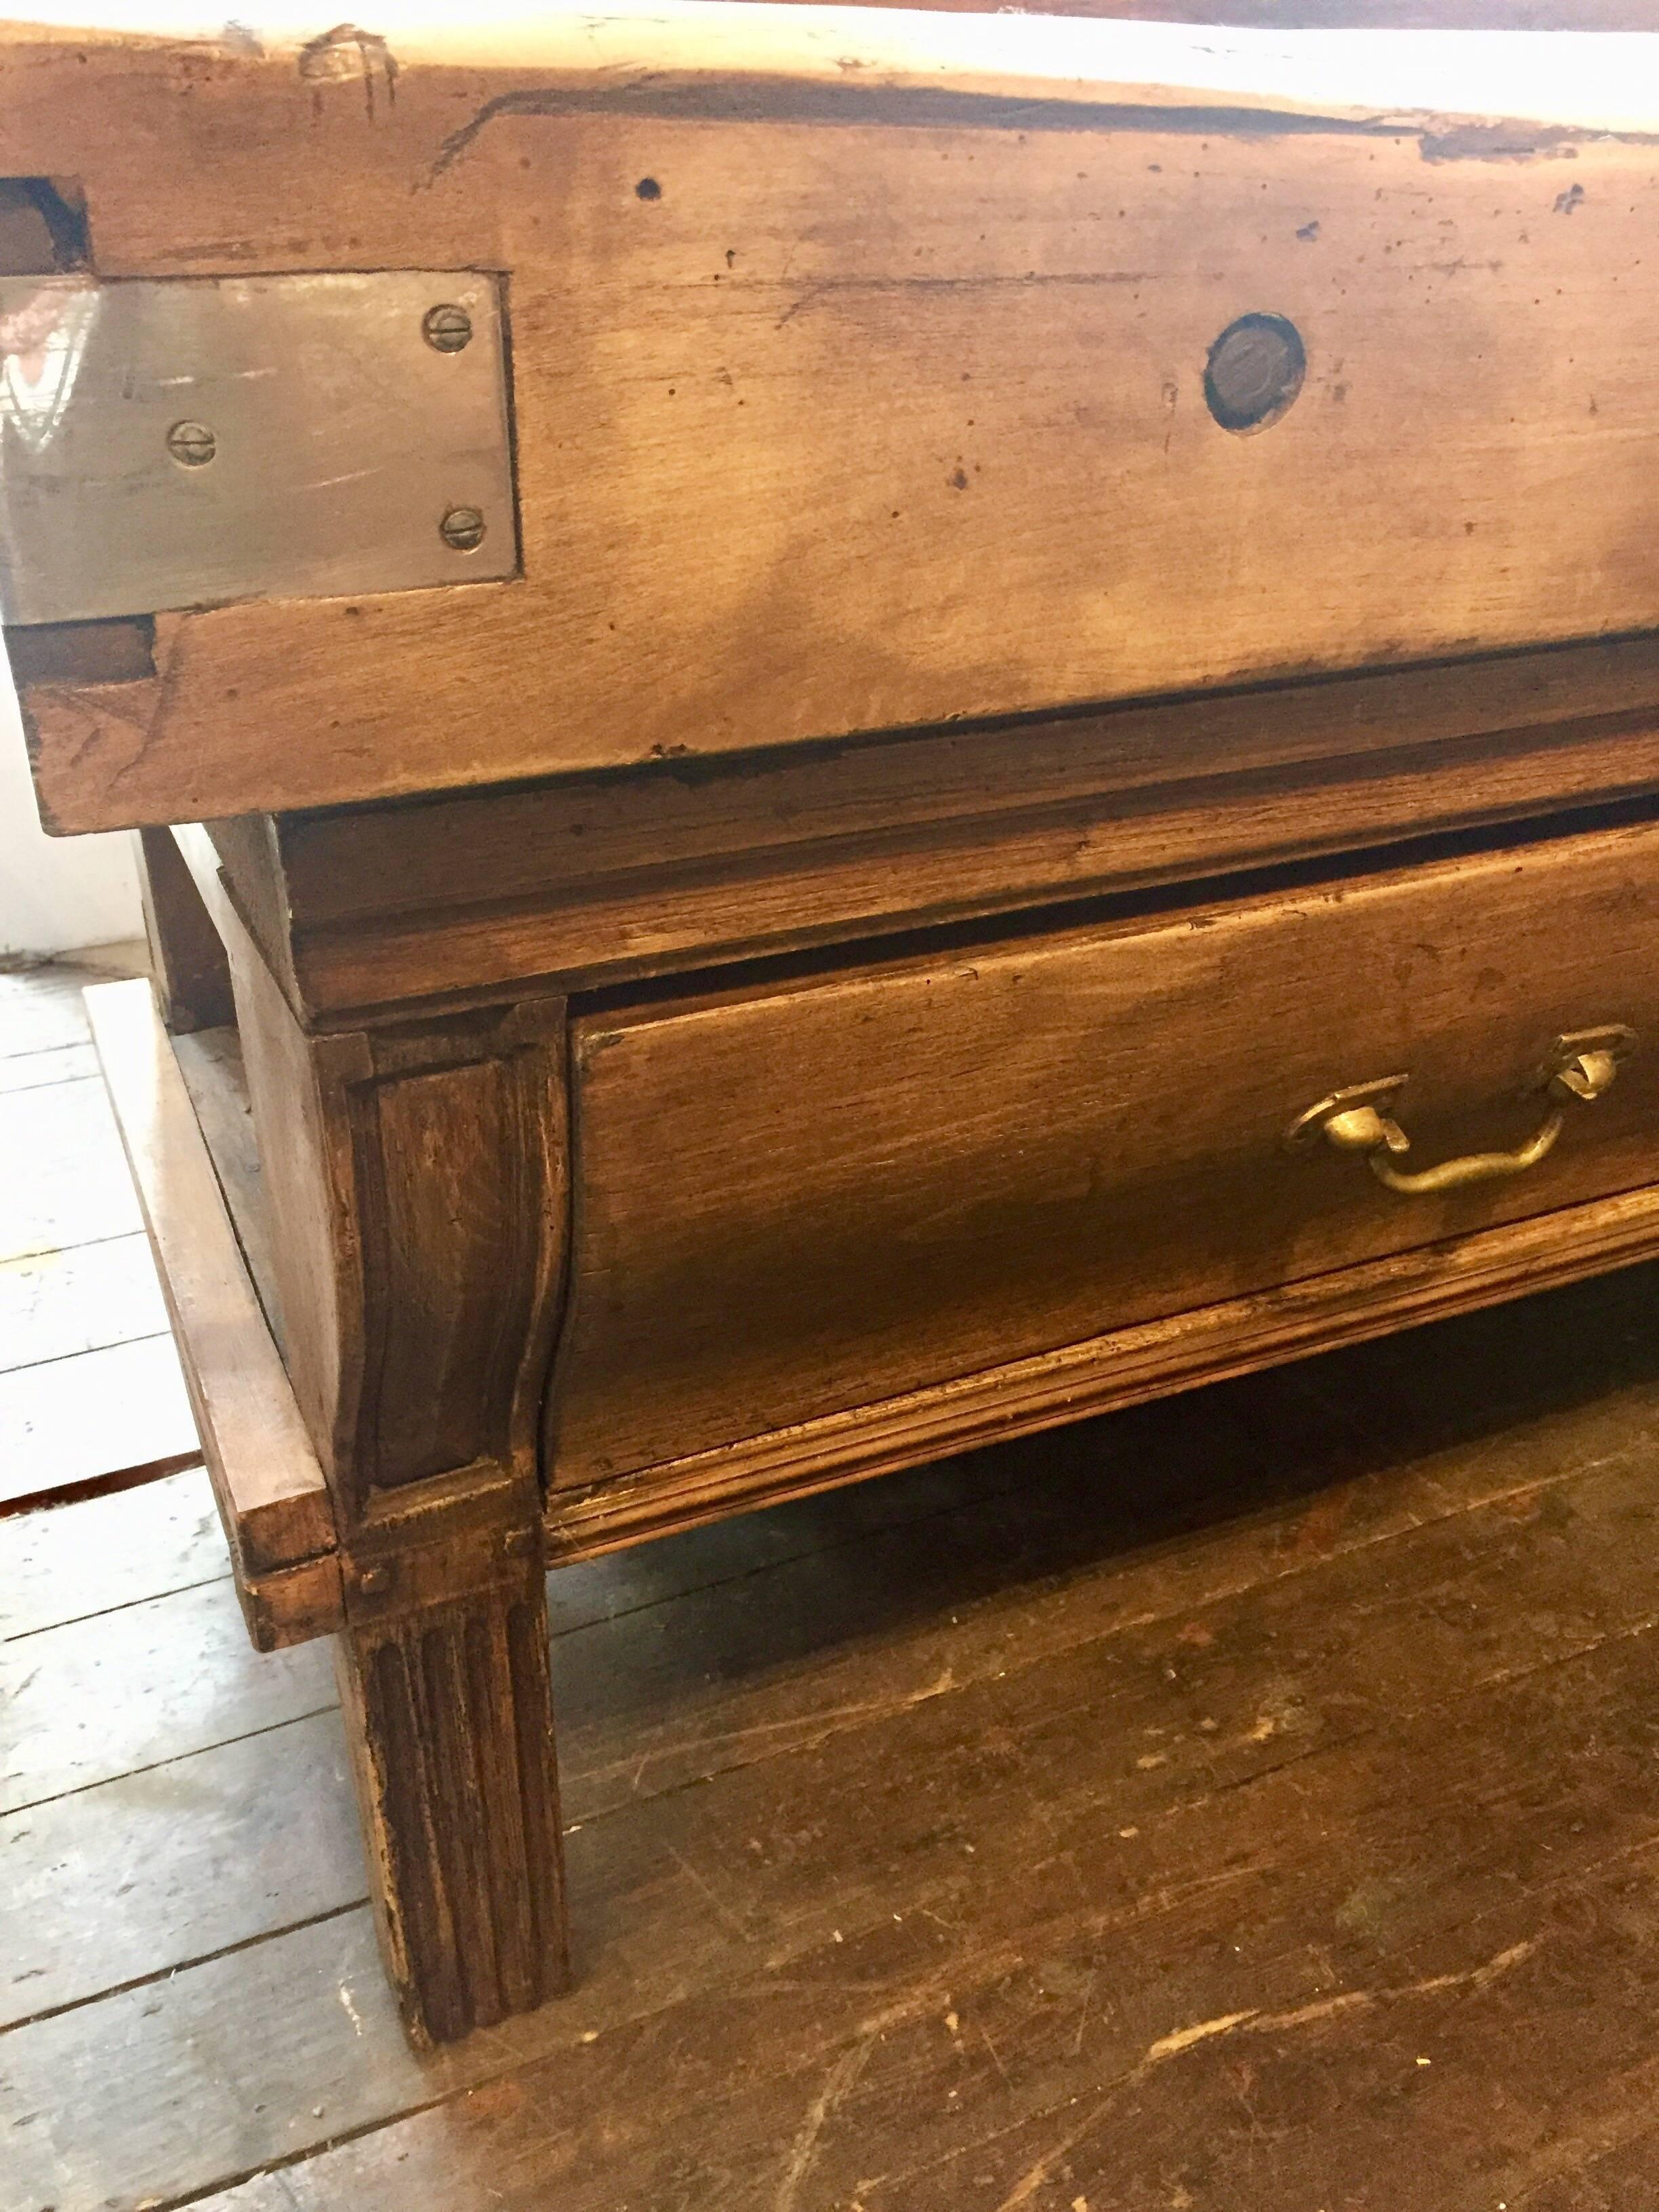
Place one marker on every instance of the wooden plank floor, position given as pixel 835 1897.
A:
pixel 91 1394
pixel 1248 1803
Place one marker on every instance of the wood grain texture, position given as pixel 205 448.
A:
pixel 1418 1730
pixel 1343 1457
pixel 305 1176
pixel 941 1166
pixel 826 1221
pixel 292 1605
pixel 269 1840
pixel 462 1203
pixel 661 923
pixel 89 1701
pixel 352 865
pixel 190 975
pixel 416 1181
pixel 449 1721
pixel 203 1851
pixel 588 880
pixel 458 1143
pixel 721 60
pixel 1340 1456
pixel 417 1185
pixel 78 1300
pixel 1121 1536
pixel 270 1487
pixel 1122 1368
pixel 119 1414
pixel 246 845
pixel 848 428
pixel 725 2125
pixel 211 1062
pixel 109 1552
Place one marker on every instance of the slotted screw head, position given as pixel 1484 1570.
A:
pixel 192 444
pixel 463 527
pixel 446 329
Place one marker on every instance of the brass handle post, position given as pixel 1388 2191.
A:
pixel 1579 1068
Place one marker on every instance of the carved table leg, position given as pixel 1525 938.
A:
pixel 416 1180
pixel 449 1716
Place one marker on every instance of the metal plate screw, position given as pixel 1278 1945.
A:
pixel 373 1581
pixel 463 527
pixel 446 329
pixel 192 444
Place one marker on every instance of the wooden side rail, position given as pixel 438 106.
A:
pixel 273 1495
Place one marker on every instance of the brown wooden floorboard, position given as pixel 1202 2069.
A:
pixel 741 1976
pixel 1119 1816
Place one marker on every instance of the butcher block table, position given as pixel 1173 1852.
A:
pixel 885 729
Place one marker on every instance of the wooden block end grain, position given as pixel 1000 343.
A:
pixel 271 1492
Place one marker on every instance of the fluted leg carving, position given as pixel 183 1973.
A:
pixel 450 1718
pixel 416 1173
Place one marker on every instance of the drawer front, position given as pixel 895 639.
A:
pixel 843 1187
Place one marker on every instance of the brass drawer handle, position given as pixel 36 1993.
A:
pixel 1580 1067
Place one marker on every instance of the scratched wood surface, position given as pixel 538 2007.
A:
pixel 1245 1804
pixel 955 1160
pixel 860 371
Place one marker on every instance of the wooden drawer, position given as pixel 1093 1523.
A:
pixel 820 1192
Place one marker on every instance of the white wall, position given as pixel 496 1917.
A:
pixel 56 893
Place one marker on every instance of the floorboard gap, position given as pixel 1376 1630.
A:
pixel 181 1965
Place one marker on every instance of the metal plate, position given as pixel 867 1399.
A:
pixel 340 438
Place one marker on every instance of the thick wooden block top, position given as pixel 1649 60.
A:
pixel 872 370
